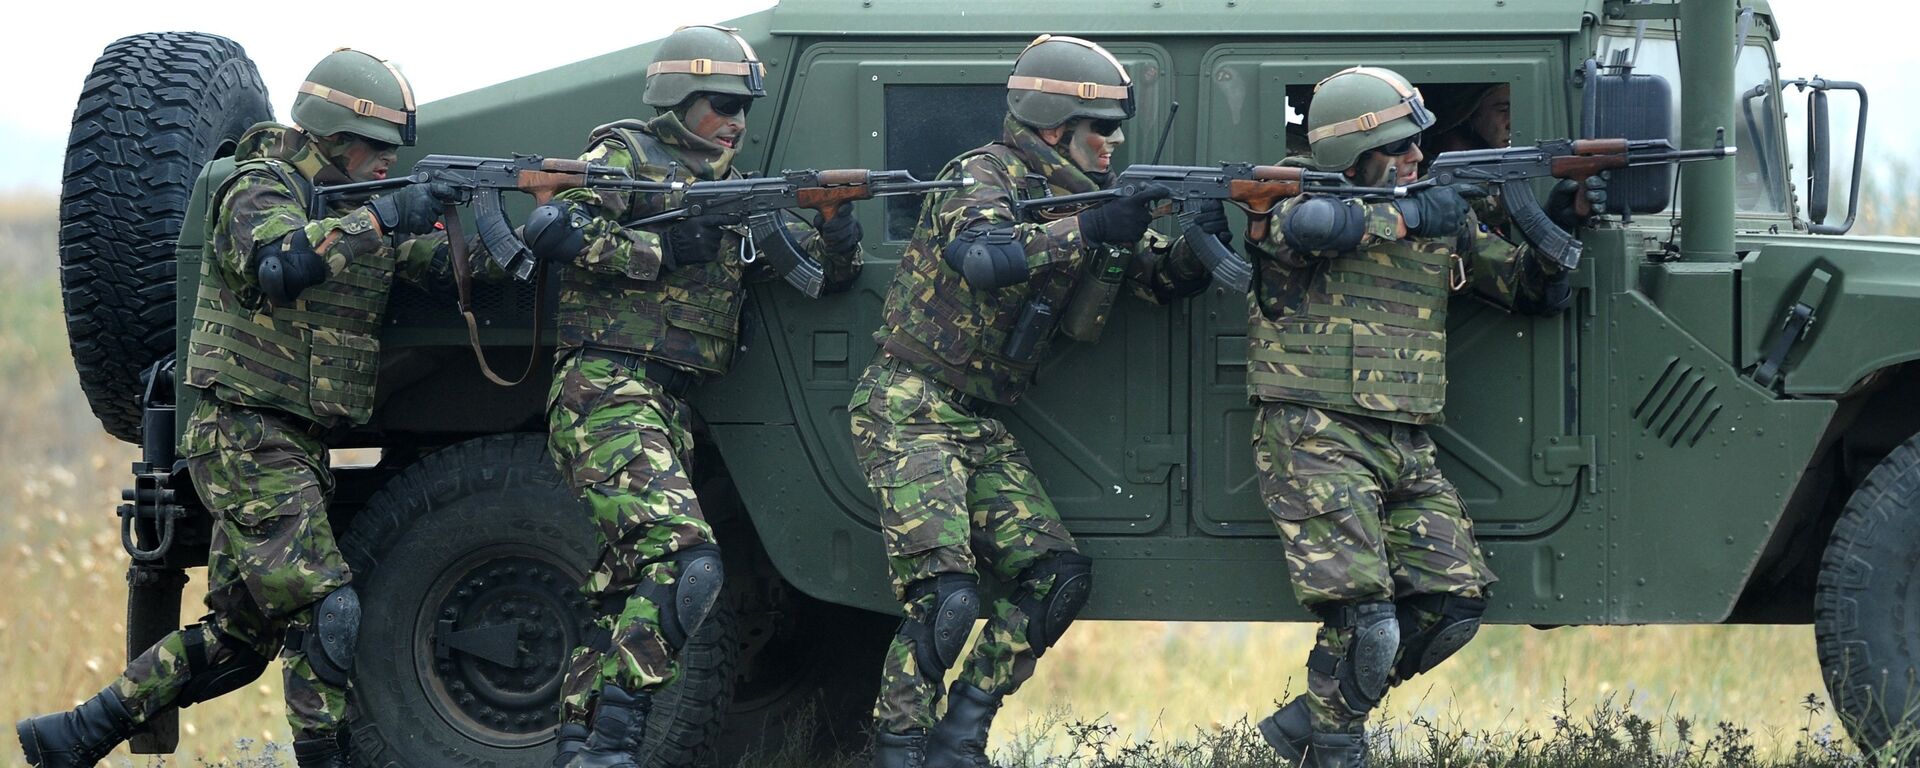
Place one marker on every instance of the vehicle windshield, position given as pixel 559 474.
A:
pixel 1760 167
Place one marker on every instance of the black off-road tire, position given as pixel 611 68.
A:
pixel 154 110
pixel 481 535
pixel 1867 610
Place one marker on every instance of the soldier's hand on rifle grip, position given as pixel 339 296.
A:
pixel 1572 203
pixel 414 209
pixel 696 240
pixel 1212 219
pixel 1123 221
pixel 557 231
pixel 840 234
pixel 1437 211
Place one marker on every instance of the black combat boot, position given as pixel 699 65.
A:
pixel 1342 749
pixel 320 752
pixel 567 742
pixel 619 721
pixel 78 738
pixel 959 740
pixel 900 750
pixel 1288 729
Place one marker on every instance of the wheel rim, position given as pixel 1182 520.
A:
pixel 491 642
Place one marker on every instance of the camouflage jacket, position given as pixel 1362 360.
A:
pixel 618 293
pixel 316 357
pixel 956 334
pixel 1365 331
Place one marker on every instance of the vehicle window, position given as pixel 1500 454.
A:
pixel 927 125
pixel 1759 175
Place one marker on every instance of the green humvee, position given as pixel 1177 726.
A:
pixel 1723 429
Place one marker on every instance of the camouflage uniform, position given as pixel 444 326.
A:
pixel 1348 365
pixel 274 380
pixel 953 483
pixel 634 335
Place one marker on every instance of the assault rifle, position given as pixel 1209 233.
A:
pixel 480 181
pixel 1576 159
pixel 758 201
pixel 1256 188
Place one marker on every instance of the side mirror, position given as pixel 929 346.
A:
pixel 1819 157
pixel 1625 105
pixel 1820 153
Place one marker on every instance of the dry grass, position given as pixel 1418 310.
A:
pixel 1181 690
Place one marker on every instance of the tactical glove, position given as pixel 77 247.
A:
pixel 289 266
pixel 695 240
pixel 1212 219
pixel 840 234
pixel 414 209
pixel 1563 203
pixel 557 231
pixel 1435 211
pixel 1123 221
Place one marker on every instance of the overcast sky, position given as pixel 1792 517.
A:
pixel 444 51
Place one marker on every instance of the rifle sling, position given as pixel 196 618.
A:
pixel 463 283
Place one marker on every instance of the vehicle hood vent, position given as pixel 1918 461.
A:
pixel 1680 406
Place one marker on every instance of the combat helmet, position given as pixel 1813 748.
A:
pixel 703 59
pixel 354 92
pixel 1361 108
pixel 1058 78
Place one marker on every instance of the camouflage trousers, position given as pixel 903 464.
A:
pixel 953 486
pixel 1364 515
pixel 625 447
pixel 273 556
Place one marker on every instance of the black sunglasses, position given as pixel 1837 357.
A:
pixel 377 145
pixel 1400 147
pixel 729 105
pixel 1104 126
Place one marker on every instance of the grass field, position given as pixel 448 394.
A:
pixel 1134 693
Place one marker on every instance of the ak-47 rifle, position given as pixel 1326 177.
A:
pixel 480 181
pixel 758 200
pixel 1576 159
pixel 1255 188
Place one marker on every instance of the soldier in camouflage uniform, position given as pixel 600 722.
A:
pixel 966 326
pixel 645 315
pixel 284 349
pixel 1347 363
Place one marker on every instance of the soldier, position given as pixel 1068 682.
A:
pixel 645 315
pixel 283 351
pixel 966 326
pixel 1347 362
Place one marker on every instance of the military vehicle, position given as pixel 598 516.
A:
pixel 1722 430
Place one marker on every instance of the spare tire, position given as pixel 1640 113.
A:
pixel 154 110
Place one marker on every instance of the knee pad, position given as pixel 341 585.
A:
pixel 1458 621
pixel 941 634
pixel 686 603
pixel 1048 617
pixel 216 665
pixel 328 640
pixel 1366 671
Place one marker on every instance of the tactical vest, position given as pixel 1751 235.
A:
pixel 1364 332
pixel 689 317
pixel 317 358
pixel 947 330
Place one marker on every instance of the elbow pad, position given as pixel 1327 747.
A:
pixel 288 266
pixel 988 258
pixel 1324 224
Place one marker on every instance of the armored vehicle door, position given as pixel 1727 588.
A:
pixel 1511 441
pixel 1101 425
